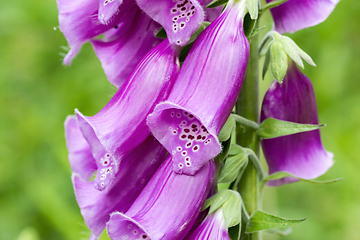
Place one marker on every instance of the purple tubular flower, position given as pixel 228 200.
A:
pixel 136 170
pixel 213 227
pixel 210 13
pixel 204 93
pixel 121 125
pixel 294 15
pixel 301 154
pixel 108 10
pixel 166 208
pixel 124 48
pixel 79 21
pixel 81 159
pixel 180 18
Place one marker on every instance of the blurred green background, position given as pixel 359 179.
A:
pixel 37 92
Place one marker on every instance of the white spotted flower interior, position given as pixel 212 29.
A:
pixel 204 93
pixel 180 18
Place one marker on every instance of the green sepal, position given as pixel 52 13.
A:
pixel 291 51
pixel 253 8
pixel 161 34
pixel 301 54
pixel 231 169
pixel 261 221
pixel 249 25
pixel 256 31
pixel 225 146
pixel 235 150
pixel 282 174
pixel 216 3
pixel 272 128
pixel 217 200
pixel 266 64
pixel 278 61
pixel 227 129
pixel 232 210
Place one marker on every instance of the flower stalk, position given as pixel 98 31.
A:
pixel 247 106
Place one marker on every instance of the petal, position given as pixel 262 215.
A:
pixel 166 208
pixel 208 85
pixel 294 15
pixel 131 43
pixel 210 13
pixel 121 125
pixel 180 18
pixel 301 154
pixel 80 157
pixel 213 227
pixel 108 9
pixel 185 137
pixel 136 170
pixel 79 22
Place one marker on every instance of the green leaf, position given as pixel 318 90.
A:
pixel 217 200
pixel 261 221
pixel 232 210
pixel 266 64
pixel 282 174
pixel 272 128
pixel 216 3
pixel 233 164
pixel 253 8
pixel 161 33
pixel 278 61
pixel 227 129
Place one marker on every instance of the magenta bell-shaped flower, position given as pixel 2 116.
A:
pixel 121 125
pixel 301 154
pixel 204 93
pixel 294 15
pixel 136 169
pixel 179 18
pixel 212 228
pixel 124 47
pixel 167 207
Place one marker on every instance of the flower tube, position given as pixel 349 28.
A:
pixel 205 92
pixel 213 227
pixel 166 208
pixel 301 154
pixel 294 15
pixel 122 49
pixel 179 18
pixel 136 170
pixel 121 125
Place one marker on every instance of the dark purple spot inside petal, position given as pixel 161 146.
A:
pixel 186 130
pixel 184 136
pixel 198 137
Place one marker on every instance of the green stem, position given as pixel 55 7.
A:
pixel 247 106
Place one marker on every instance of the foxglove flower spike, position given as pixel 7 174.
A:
pixel 166 208
pixel 121 125
pixel 301 154
pixel 205 92
pixel 294 15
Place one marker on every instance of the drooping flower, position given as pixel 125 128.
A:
pixel 166 208
pixel 205 92
pixel 179 18
pixel 213 227
pixel 121 125
pixel 294 15
pixel 136 170
pixel 123 48
pixel 301 154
